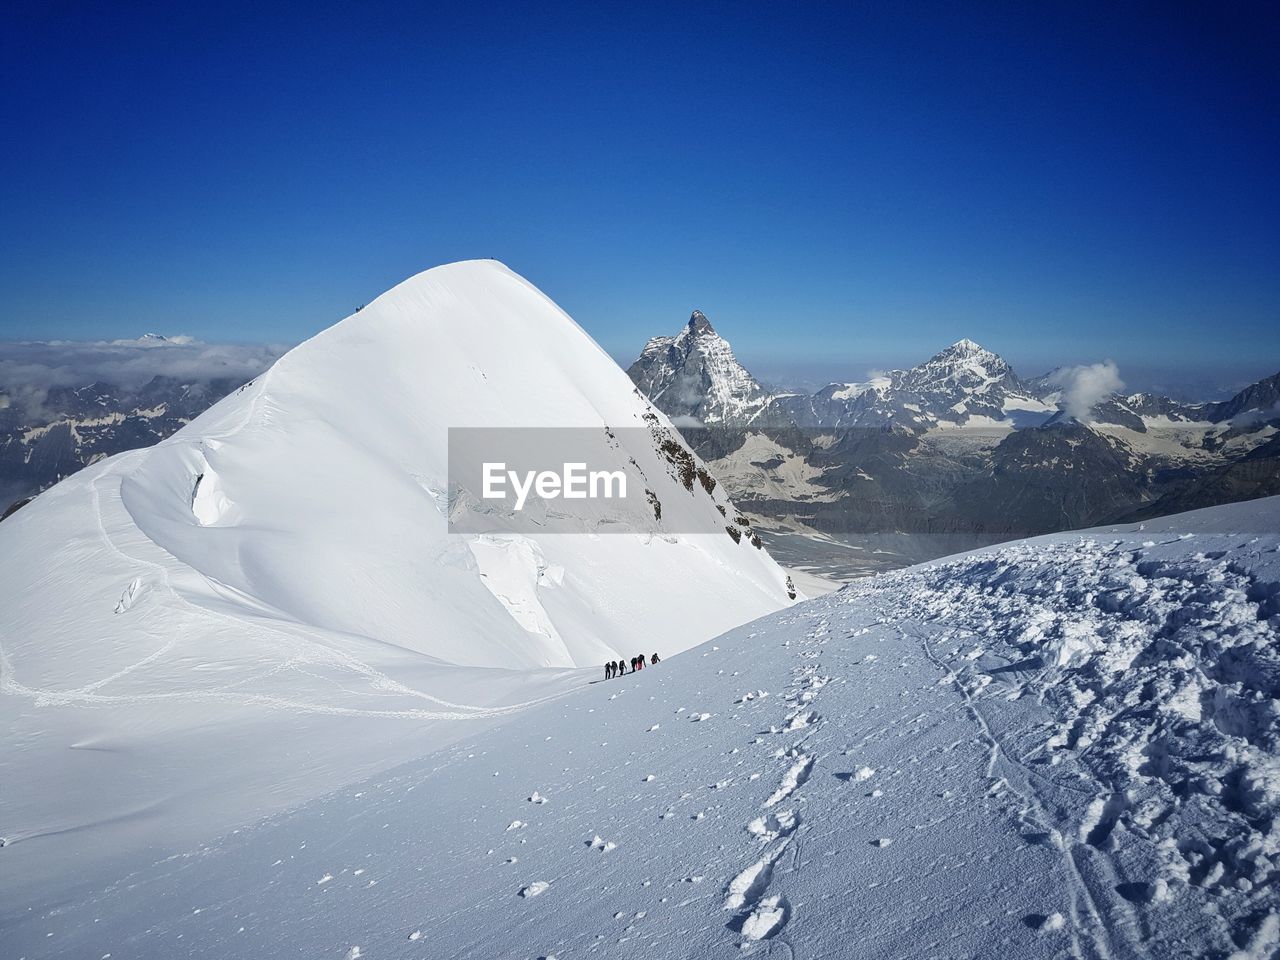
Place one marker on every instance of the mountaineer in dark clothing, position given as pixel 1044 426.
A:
pixel 608 670
pixel 655 659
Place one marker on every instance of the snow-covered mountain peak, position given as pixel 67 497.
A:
pixel 156 340
pixel 967 346
pixel 965 365
pixel 962 381
pixel 286 560
pixel 696 375
pixel 343 443
pixel 699 325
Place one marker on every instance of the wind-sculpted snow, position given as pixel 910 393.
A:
pixel 1061 747
pixel 1158 663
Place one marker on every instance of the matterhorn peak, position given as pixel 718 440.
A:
pixel 699 324
pixel 696 375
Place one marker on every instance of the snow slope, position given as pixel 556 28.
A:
pixel 1057 747
pixel 267 604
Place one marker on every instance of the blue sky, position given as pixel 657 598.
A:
pixel 838 186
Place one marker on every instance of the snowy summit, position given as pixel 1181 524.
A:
pixel 276 580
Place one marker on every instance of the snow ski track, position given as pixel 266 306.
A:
pixel 1097 931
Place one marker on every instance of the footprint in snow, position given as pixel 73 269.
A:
pixel 792 780
pixel 800 720
pixel 746 889
pixel 1047 924
pixel 780 824
pixel 536 797
pixel 769 916
pixel 535 888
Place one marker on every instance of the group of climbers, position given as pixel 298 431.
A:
pixel 615 668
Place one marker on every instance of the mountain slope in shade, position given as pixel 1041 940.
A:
pixel 276 578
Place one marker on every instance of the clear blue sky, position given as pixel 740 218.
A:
pixel 841 184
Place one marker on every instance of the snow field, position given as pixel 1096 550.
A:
pixel 933 807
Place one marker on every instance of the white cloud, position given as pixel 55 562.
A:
pixel 30 369
pixel 1086 386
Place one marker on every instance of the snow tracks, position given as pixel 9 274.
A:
pixel 1127 690
pixel 760 913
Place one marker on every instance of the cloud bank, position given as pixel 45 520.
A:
pixel 29 369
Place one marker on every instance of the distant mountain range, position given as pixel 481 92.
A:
pixel 957 451
pixel 72 427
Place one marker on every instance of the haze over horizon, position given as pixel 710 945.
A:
pixel 132 360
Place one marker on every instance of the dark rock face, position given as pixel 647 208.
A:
pixel 1261 398
pixel 1256 475
pixel 1063 476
